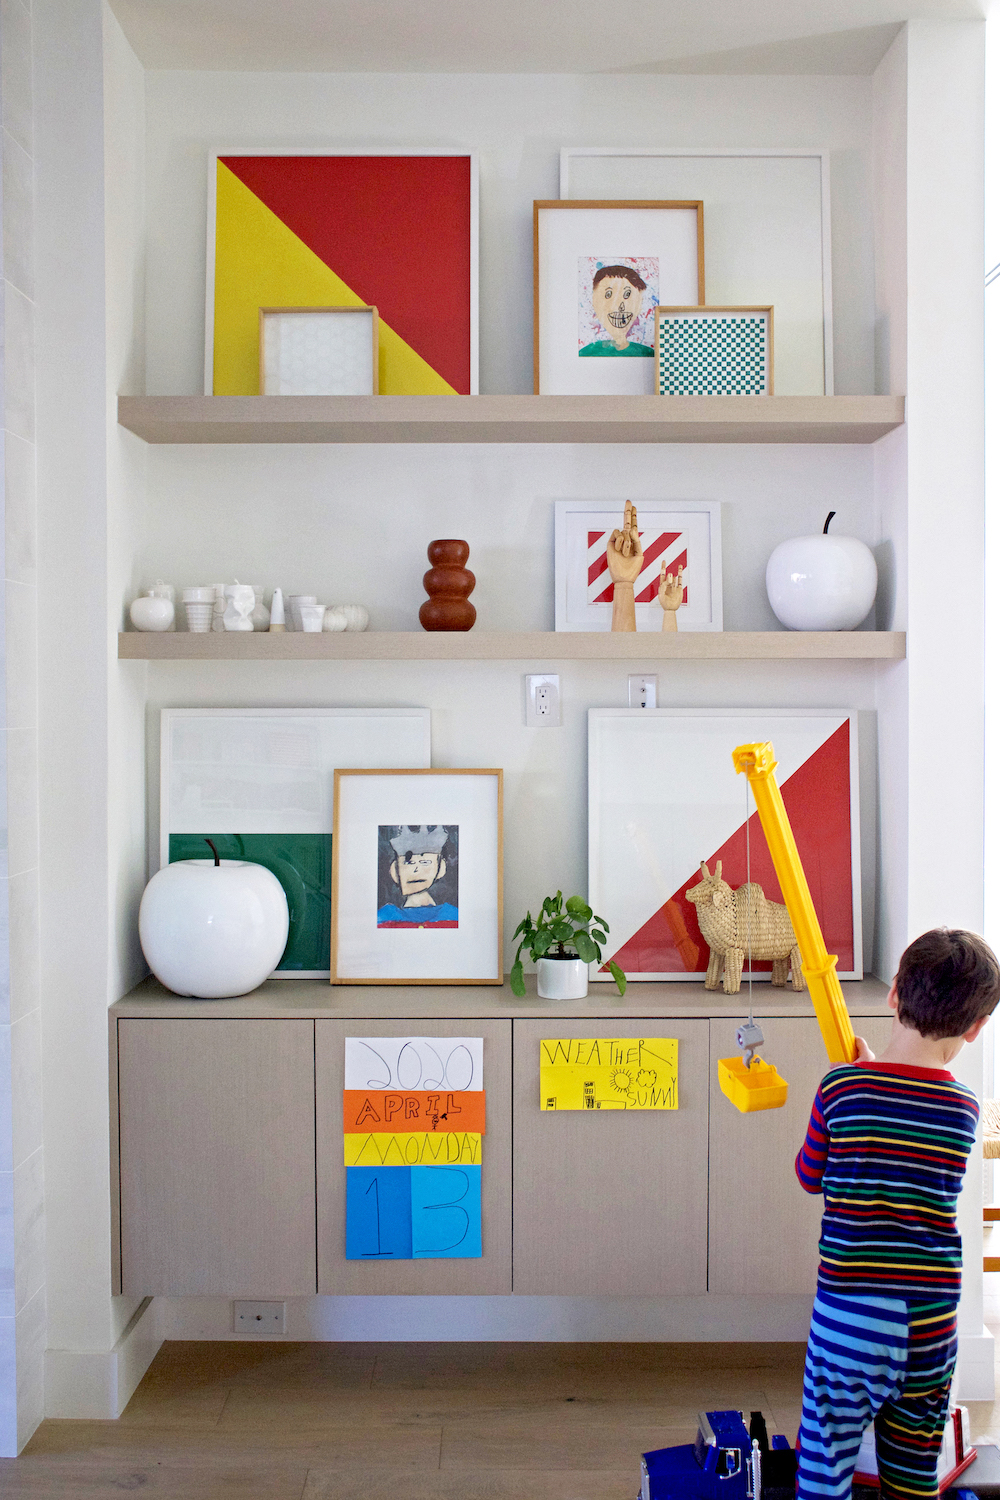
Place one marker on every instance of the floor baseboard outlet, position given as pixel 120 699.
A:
pixel 97 1384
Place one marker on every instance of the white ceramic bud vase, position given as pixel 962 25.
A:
pixel 821 582
pixel 213 929
pixel 562 979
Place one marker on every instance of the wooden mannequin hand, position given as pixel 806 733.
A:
pixel 625 549
pixel 670 595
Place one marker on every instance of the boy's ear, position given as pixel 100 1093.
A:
pixel 892 999
pixel 394 873
pixel 975 1029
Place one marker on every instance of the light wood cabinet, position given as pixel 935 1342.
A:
pixel 488 1276
pixel 217 1164
pixel 611 1204
pixel 763 1229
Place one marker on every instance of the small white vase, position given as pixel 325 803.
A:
pixel 562 979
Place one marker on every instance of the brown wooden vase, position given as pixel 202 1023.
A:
pixel 449 583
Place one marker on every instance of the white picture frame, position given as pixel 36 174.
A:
pixel 663 796
pixel 378 934
pixel 210 227
pixel 767 232
pixel 652 251
pixel 318 351
pixel 686 531
pixel 256 776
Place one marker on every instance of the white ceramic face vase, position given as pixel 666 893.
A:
pixel 213 930
pixel 821 582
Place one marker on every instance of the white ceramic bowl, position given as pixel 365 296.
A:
pixel 212 930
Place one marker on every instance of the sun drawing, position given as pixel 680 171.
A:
pixel 621 1081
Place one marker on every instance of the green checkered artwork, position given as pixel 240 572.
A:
pixel 713 354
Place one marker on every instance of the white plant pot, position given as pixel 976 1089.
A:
pixel 562 979
pixel 212 930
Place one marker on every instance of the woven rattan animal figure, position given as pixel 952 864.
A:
pixel 732 922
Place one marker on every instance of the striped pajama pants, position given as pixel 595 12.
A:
pixel 878 1358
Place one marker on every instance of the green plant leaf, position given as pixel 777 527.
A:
pixel 599 938
pixel 562 931
pixel 577 907
pixel 541 944
pixel 517 977
pixel 617 976
pixel 586 947
pixel 601 923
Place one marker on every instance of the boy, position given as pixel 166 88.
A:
pixel 887 1145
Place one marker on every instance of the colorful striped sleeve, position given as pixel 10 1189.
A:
pixel 811 1160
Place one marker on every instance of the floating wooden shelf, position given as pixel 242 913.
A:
pixel 548 645
pixel 510 419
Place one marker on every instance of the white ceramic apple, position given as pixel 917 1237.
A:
pixel 821 582
pixel 151 613
pixel 213 929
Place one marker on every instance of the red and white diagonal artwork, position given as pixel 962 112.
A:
pixel 656 545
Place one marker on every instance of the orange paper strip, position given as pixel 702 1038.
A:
pixel 383 1110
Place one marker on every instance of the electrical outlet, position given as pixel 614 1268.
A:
pixel 542 702
pixel 259 1317
pixel 642 690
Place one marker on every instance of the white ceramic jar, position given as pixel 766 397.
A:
pixel 562 979
pixel 151 613
pixel 821 582
pixel 213 930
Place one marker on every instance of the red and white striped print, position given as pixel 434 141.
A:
pixel 656 545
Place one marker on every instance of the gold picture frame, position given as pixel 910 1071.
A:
pixel 764 313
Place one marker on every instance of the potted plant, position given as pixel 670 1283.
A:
pixel 563 941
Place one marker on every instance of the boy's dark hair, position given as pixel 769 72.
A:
pixel 947 980
pixel 625 272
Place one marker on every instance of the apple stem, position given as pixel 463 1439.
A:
pixel 214 851
pixel 828 520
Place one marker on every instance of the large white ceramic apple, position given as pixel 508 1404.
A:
pixel 213 929
pixel 821 582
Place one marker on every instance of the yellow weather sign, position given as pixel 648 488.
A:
pixel 609 1073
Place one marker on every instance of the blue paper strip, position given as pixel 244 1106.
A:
pixel 378 1213
pixel 447 1212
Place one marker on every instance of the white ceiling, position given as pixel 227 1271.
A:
pixel 523 36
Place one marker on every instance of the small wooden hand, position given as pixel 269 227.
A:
pixel 625 565
pixel 670 595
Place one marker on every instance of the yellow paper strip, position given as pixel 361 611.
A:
pixel 419 1149
pixel 608 1073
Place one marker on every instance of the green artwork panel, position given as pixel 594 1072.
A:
pixel 302 862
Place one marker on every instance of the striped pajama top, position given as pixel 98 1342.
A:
pixel 887 1146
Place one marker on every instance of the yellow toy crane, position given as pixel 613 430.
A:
pixel 755 1084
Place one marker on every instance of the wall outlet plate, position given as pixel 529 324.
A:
pixel 259 1317
pixel 542 701
pixel 642 689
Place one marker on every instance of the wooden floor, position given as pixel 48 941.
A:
pixel 282 1421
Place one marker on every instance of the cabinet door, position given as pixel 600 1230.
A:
pixel 218 1184
pixel 611 1203
pixel 763 1229
pixel 488 1275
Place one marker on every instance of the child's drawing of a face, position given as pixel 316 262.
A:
pixel 617 300
pixel 416 872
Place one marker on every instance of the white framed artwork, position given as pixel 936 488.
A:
pixel 319 351
pixel 259 783
pixel 767 234
pixel 680 533
pixel 663 796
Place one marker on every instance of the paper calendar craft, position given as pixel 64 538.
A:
pixel 414 1119
pixel 608 1073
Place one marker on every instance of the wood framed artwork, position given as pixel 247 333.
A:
pixel 417 877
pixel 683 534
pixel 601 267
pixel 259 783
pixel 663 797
pixel 318 351
pixel 320 229
pixel 714 351
pixel 767 228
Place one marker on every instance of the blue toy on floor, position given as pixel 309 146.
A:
pixel 726 1461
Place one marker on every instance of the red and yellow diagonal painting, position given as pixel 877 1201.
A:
pixel 391 232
